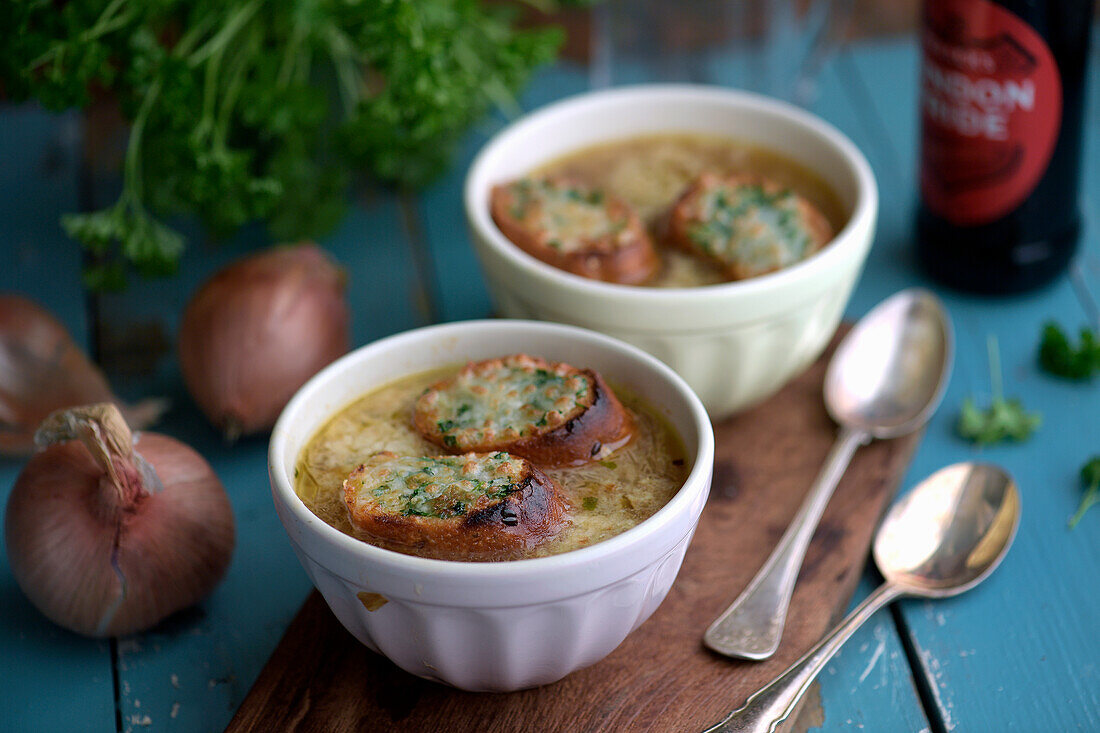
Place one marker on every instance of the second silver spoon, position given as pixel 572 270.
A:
pixel 884 381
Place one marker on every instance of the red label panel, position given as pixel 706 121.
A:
pixel 991 106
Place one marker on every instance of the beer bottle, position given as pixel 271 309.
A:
pixel 1002 92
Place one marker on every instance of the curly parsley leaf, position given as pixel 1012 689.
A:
pixel 1003 419
pixel 1060 357
pixel 1090 479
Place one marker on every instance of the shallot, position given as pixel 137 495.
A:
pixel 108 535
pixel 257 330
pixel 42 370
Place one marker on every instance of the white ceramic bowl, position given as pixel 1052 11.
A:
pixel 507 625
pixel 735 343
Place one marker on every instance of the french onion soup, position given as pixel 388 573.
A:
pixel 668 210
pixel 502 459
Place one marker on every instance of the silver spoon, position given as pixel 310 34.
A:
pixel 884 381
pixel 946 536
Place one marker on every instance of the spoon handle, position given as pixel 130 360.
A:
pixel 768 707
pixel 753 624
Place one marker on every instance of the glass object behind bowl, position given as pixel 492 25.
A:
pixel 775 47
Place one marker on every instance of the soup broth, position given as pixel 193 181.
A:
pixel 607 497
pixel 651 172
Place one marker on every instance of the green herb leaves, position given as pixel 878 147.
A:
pixel 1090 478
pixel 1061 358
pixel 247 110
pixel 1004 419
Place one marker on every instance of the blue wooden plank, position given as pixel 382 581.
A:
pixel 37 183
pixel 192 671
pixel 1019 652
pixel 869 685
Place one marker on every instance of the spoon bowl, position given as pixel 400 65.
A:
pixel 889 373
pixel 946 536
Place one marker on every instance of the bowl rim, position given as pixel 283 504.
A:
pixel 864 209
pixel 698 478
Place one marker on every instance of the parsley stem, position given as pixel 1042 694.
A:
pixel 1092 496
pixel 221 39
pixel 995 377
pixel 106 22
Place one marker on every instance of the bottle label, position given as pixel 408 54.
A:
pixel 991 107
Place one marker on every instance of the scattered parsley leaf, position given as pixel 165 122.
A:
pixel 589 502
pixel 1061 358
pixel 1090 478
pixel 1004 419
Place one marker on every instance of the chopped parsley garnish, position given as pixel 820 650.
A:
pixel 751 220
pixel 589 502
pixel 441 487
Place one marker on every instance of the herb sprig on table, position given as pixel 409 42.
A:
pixel 261 109
pixel 1090 478
pixel 1004 419
pixel 1058 356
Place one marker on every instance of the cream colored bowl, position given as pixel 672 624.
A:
pixel 504 625
pixel 734 343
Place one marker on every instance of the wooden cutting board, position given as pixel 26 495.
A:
pixel 661 678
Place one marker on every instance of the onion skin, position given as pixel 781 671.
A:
pixel 42 370
pixel 257 330
pixel 106 560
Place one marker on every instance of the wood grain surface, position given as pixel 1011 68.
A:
pixel 661 678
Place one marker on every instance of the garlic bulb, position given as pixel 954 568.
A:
pixel 256 331
pixel 107 535
pixel 42 370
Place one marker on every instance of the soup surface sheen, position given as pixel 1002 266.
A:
pixel 650 172
pixel 608 497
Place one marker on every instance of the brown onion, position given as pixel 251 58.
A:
pixel 107 536
pixel 42 370
pixel 256 331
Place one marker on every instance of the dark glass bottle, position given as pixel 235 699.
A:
pixel 1002 95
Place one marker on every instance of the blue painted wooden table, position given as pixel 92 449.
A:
pixel 1019 653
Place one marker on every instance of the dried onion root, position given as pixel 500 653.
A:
pixel 107 535
pixel 42 370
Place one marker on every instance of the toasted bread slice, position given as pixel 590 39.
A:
pixel 478 506
pixel 575 228
pixel 551 413
pixel 746 227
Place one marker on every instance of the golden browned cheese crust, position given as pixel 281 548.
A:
pixel 576 229
pixel 473 507
pixel 745 226
pixel 549 412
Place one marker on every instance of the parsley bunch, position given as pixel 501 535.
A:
pixel 1004 419
pixel 261 109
